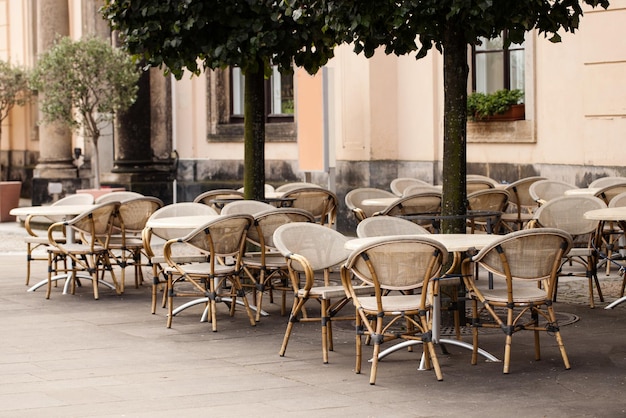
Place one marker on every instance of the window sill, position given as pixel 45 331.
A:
pixel 274 132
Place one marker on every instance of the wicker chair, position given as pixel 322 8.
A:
pixel 395 264
pixel 354 198
pixel 420 188
pixel 117 196
pixel 567 213
pixel 520 259
pixel 153 240
pixel 126 244
pixel 421 203
pixel 543 191
pixel 474 184
pixel 615 239
pixel 207 197
pixel 320 202
pixel 607 193
pixel 267 268
pixel 380 226
pixel 398 185
pixel 35 241
pixel 268 188
pixel 249 207
pixel 494 182
pixel 606 181
pixel 89 256
pixel 492 200
pixel 521 204
pixel 311 248
pixel 216 279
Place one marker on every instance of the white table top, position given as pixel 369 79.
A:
pixel 379 201
pixel 452 242
pixel 178 226
pixel 52 210
pixel 607 214
pixel 589 191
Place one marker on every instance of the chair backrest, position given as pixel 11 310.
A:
pixel 222 237
pixel 354 198
pixel 293 186
pixel 543 191
pixel 322 247
pixel 519 192
pixel 206 197
pixel 420 188
pixel 567 213
pixel 398 262
pixel 266 223
pixel 379 226
pixel 95 224
pixel 469 177
pixel 475 184
pixel 398 185
pixel 134 213
pixel 249 207
pixel 532 254
pixel 320 202
pixel 429 202
pixel 618 201
pixel 607 193
pixel 488 199
pixel 606 181
pixel 117 196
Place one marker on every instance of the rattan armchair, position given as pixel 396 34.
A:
pixel 264 266
pixel 117 196
pixel 543 191
pixel 380 226
pixel 521 204
pixel 396 267
pixel 312 250
pixel 520 259
pixel 126 244
pixel 355 197
pixel 490 200
pixel 567 214
pixel 321 203
pixel 222 240
pixel 88 256
pixel 249 207
pixel 35 240
pixel 210 195
pixel 153 240
pixel 398 185
pixel 421 203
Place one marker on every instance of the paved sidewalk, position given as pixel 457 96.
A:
pixel 72 356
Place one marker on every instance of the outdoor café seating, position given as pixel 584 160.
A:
pixel 355 197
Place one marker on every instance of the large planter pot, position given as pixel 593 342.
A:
pixel 9 199
pixel 515 112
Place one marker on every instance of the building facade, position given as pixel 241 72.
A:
pixel 383 117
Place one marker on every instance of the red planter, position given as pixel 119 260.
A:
pixel 516 112
pixel 9 198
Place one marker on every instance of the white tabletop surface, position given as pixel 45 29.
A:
pixel 607 214
pixel 452 242
pixel 52 210
pixel 590 191
pixel 181 222
pixel 379 201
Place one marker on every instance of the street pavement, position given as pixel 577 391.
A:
pixel 73 356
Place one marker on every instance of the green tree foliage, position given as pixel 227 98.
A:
pixel 82 84
pixel 407 26
pixel 14 89
pixel 250 34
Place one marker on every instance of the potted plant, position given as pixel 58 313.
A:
pixel 14 91
pixel 502 105
pixel 83 83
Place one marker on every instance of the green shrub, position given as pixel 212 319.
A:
pixel 481 105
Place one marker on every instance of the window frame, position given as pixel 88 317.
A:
pixel 506 60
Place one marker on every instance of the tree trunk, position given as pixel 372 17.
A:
pixel 455 73
pixel 95 163
pixel 254 134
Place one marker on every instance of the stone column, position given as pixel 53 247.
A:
pixel 55 141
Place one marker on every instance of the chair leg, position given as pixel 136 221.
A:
pixel 293 317
pixel 325 322
pixel 169 290
pixel 559 339
pixel 359 343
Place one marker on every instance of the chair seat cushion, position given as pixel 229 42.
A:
pixel 204 269
pixel 392 303
pixel 272 261
pixel 41 240
pixel 522 293
pixel 77 249
pixel 333 292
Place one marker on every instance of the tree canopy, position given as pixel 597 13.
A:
pixel 83 83
pixel 450 26
pixel 250 34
